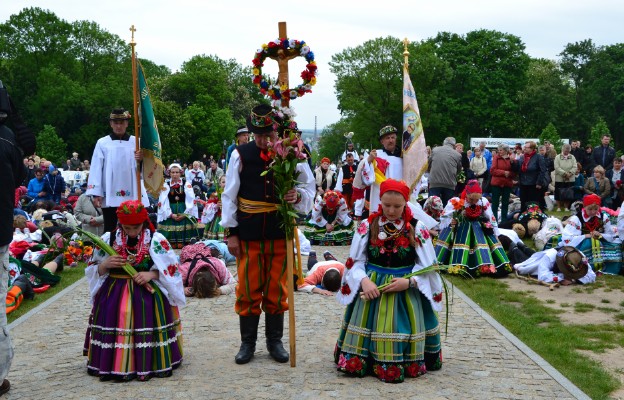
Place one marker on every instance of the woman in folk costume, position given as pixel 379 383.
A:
pixel 325 177
pixel 133 333
pixel 176 204
pixel 211 215
pixel 391 333
pixel 468 238
pixel 592 232
pixel 330 224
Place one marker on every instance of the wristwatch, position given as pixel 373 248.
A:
pixel 411 283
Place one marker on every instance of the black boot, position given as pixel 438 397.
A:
pixel 249 334
pixel 274 332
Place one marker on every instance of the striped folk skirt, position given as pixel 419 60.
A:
pixel 603 256
pixel 468 248
pixel 132 333
pixel 340 236
pixel 178 233
pixel 214 230
pixel 394 336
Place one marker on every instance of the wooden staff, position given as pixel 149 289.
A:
pixel 527 278
pixel 135 94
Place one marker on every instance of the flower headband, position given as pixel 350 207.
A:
pixel 262 121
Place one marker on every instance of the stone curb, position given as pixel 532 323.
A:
pixel 536 358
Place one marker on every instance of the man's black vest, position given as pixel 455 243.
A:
pixel 262 226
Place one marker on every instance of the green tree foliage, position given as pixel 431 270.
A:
pixel 597 132
pixel 50 146
pixel 546 98
pixel 369 85
pixel 551 135
pixel 333 143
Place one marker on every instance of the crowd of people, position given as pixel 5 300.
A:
pixel 471 216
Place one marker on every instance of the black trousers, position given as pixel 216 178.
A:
pixel 110 218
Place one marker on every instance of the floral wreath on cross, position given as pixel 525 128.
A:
pixel 273 90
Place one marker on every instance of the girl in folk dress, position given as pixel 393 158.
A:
pixel 133 333
pixel 211 216
pixel 391 333
pixel 469 236
pixel 330 224
pixel 176 204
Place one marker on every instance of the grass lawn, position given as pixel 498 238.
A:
pixel 538 326
pixel 68 277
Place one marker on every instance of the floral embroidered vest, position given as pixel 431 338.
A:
pixel 395 251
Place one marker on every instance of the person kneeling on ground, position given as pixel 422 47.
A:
pixel 324 278
pixel 204 274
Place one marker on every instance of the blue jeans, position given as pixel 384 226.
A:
pixel 443 193
pixel 6 350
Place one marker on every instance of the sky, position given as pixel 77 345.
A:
pixel 171 32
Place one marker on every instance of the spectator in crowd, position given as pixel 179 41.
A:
pixel 75 164
pixel 465 162
pixel 479 166
pixel 67 165
pixel 604 154
pixel 213 174
pixel 196 176
pixel 54 184
pixel 565 169
pixel 485 153
pixel 588 166
pixel 346 175
pixel 88 215
pixel 532 175
pixel 242 137
pixel 615 177
pixel 578 152
pixel 30 171
pixel 35 187
pixel 579 182
pixel 325 177
pixel 599 185
pixel 502 181
pixel 444 166
pixel 86 165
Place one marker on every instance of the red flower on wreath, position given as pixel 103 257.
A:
pixel 345 289
pixel 402 241
pixel 354 364
pixel 165 245
pixel 393 372
pixel 349 263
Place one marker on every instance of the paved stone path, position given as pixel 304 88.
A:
pixel 479 361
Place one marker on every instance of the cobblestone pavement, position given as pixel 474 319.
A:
pixel 479 362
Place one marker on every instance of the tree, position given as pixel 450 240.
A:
pixel 332 141
pixel 50 146
pixel 574 60
pixel 551 135
pixel 547 97
pixel 368 85
pixel 598 131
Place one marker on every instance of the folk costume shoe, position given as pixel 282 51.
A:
pixel 274 331
pixel 5 387
pixel 249 334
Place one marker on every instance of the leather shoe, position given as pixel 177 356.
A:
pixel 5 387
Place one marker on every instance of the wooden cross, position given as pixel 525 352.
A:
pixel 283 56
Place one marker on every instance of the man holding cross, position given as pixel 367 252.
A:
pixel 255 237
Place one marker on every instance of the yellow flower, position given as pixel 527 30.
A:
pixel 283 87
pixel 265 46
pixel 256 71
pixel 313 81
pixel 271 92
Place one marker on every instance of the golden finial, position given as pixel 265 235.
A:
pixel 133 29
pixel 405 52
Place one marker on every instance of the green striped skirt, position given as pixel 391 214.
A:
pixel 391 337
pixel 603 256
pixel 178 233
pixel 467 248
pixel 340 236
